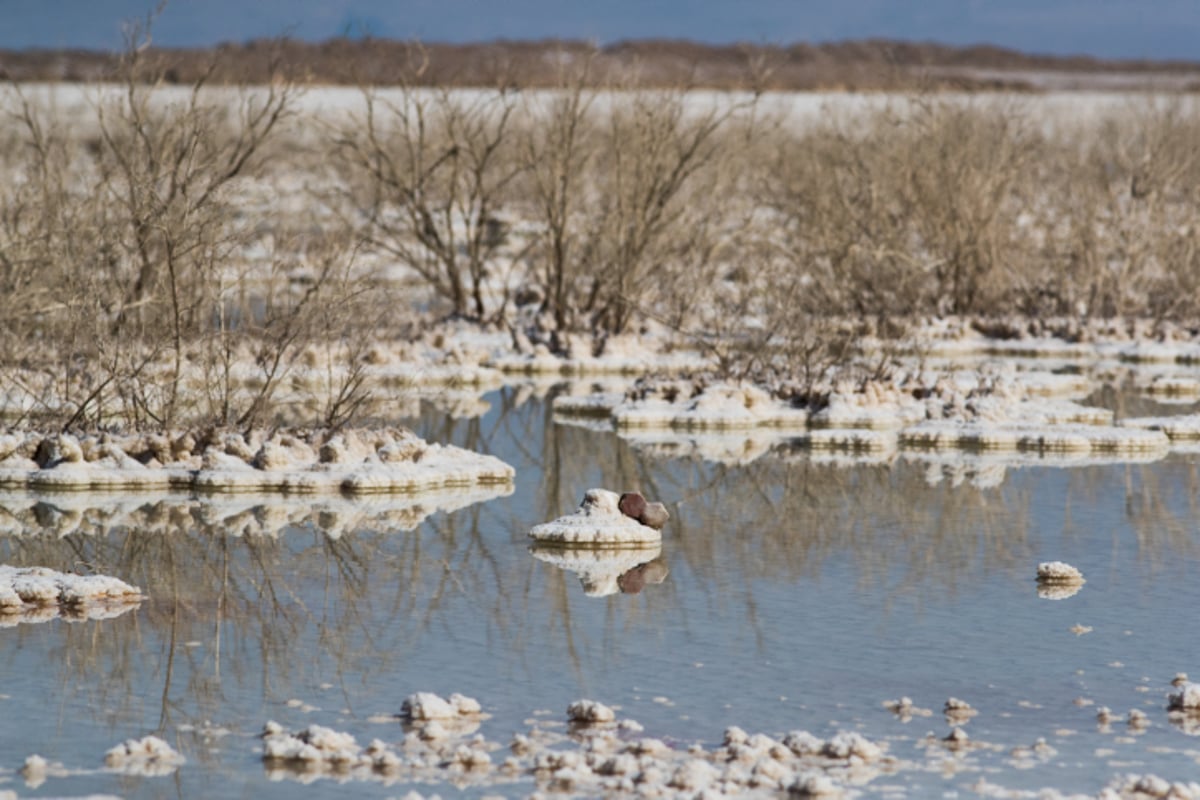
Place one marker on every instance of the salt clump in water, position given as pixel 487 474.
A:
pixel 1058 572
pixel 589 712
pixel 598 522
pixel 425 706
pixel 147 756
pixel 30 594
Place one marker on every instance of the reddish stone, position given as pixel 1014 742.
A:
pixel 632 504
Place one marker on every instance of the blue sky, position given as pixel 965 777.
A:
pixel 1108 28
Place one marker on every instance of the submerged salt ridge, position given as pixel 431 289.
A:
pixel 351 461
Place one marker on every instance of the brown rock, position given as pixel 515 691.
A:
pixel 632 505
pixel 654 515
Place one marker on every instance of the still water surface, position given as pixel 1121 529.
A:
pixel 799 594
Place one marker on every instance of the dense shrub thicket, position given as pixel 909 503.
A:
pixel 176 254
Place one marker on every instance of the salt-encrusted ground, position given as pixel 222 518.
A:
pixel 349 461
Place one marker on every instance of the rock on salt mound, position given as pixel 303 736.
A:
pixel 597 523
pixel 35 594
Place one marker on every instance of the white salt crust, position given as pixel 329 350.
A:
pixel 425 706
pixel 37 594
pixel 149 756
pixel 599 755
pixel 597 568
pixel 597 523
pixel 1058 572
pixel 355 462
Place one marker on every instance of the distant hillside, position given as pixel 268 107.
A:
pixel 853 65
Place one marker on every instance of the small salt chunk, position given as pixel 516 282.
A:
pixel 588 712
pixel 1058 572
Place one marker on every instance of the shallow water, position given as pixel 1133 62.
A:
pixel 801 594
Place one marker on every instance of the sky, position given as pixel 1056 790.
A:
pixel 1155 29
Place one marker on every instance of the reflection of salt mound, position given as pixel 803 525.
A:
pixel 1058 591
pixel 96 514
pixel 599 570
pixel 597 523
pixel 36 594
pixel 1069 438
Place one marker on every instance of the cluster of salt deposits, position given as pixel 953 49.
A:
pixel 35 594
pixel 599 754
pixel 963 410
pixel 147 756
pixel 355 461
pixel 601 522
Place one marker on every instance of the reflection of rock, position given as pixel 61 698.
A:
pixel 605 571
pixel 36 594
pixel 597 523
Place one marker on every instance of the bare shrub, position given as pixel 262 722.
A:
pixel 428 171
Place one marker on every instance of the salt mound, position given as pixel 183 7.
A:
pixel 604 571
pixel 354 461
pixel 597 523
pixel 1186 699
pixel 29 594
pixel 146 756
pixel 1182 428
pixel 317 749
pixel 589 712
pixel 1058 572
pixel 424 706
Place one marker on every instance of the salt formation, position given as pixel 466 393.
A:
pixel 426 706
pixel 147 756
pixel 319 749
pixel 598 522
pixel 355 461
pixel 606 571
pixel 1186 699
pixel 589 712
pixel 1184 428
pixel 35 594
pixel 1058 572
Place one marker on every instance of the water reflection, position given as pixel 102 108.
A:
pixel 606 571
pixel 349 606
